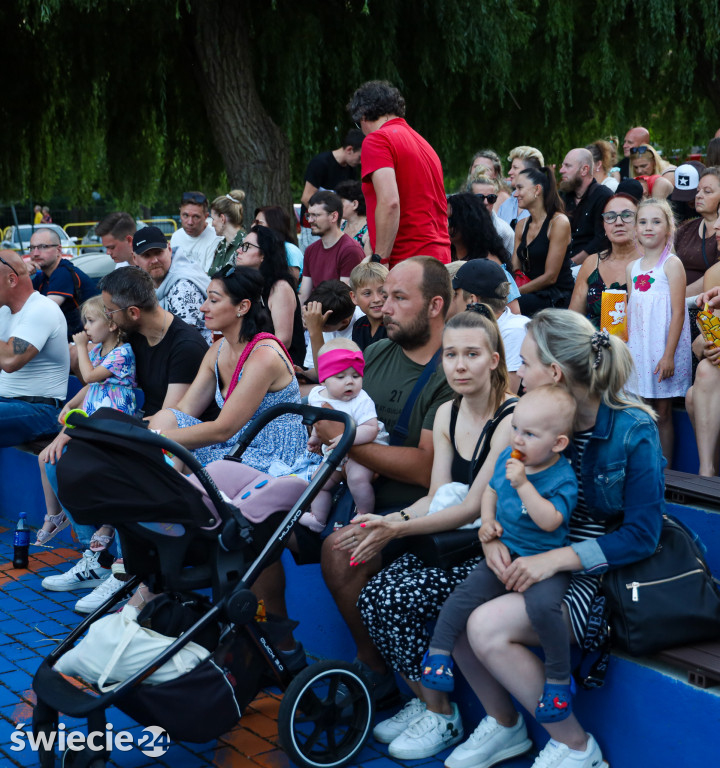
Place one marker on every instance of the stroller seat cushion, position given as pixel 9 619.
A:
pixel 256 494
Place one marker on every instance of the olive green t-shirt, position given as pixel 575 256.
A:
pixel 389 379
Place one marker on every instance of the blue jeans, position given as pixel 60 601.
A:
pixel 83 532
pixel 21 421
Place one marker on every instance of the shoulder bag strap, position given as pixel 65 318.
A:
pixel 482 447
pixel 400 433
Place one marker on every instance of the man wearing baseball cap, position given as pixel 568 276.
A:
pixel 180 284
pixel 484 281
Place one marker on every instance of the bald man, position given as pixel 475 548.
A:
pixel 584 202
pixel 34 358
pixel 633 138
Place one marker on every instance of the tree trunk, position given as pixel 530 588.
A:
pixel 255 151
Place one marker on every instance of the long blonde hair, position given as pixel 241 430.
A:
pixel 566 339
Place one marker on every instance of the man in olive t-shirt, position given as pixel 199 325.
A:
pixel 418 294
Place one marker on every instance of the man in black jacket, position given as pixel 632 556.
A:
pixel 584 202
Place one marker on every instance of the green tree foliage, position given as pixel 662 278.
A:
pixel 141 98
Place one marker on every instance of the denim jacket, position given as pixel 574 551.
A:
pixel 623 484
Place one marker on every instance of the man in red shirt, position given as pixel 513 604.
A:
pixel 402 179
pixel 336 254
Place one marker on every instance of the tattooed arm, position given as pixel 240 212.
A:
pixel 15 353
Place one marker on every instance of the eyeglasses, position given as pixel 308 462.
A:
pixel 626 215
pixel 639 150
pixel 108 313
pixel 245 247
pixel 10 266
pixel 314 216
pixel 42 247
pixel 492 199
pixel 194 197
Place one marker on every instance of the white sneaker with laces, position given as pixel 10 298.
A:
pixel 99 595
pixel 86 574
pixel 490 743
pixel 390 729
pixel 557 755
pixel 427 735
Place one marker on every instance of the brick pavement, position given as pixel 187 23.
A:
pixel 32 619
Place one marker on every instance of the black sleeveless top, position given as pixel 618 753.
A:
pixel 533 257
pixel 460 468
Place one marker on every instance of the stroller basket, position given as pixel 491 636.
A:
pixel 179 544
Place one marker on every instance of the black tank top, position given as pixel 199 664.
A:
pixel 533 257
pixel 460 468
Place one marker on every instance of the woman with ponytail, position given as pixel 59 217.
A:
pixel 396 605
pixel 616 455
pixel 227 214
pixel 541 243
pixel 246 372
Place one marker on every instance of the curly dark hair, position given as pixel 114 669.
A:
pixel 352 190
pixel 471 221
pixel 274 265
pixel 374 99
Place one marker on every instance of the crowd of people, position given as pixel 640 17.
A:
pixel 467 337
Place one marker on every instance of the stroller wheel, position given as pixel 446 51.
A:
pixel 326 715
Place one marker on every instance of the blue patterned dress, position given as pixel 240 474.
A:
pixel 283 439
pixel 117 391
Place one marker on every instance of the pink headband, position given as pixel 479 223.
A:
pixel 336 360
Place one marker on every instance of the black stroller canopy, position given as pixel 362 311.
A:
pixel 109 479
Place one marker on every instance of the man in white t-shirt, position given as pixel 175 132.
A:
pixel 483 281
pixel 196 239
pixel 34 357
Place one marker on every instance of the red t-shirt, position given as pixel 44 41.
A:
pixel 332 263
pixel 423 227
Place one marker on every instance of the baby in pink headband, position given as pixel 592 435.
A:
pixel 340 369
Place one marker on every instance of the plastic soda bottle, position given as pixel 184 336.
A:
pixel 21 542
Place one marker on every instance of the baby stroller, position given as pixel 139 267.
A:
pixel 179 537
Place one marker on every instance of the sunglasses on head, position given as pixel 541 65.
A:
pixel 226 271
pixel 194 197
pixel 10 266
pixel 492 199
pixel 639 150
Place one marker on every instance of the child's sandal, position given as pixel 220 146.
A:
pixel 100 541
pixel 437 672
pixel 555 704
pixel 59 523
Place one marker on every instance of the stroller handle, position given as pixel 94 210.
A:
pixel 310 414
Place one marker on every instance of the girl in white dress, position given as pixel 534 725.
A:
pixel 658 325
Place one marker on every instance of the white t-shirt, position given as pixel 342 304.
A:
pixel 346 333
pixel 512 330
pixel 506 233
pixel 42 323
pixel 361 408
pixel 199 249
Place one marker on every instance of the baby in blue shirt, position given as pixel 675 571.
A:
pixel 527 505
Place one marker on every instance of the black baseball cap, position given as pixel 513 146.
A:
pixel 148 237
pixel 481 277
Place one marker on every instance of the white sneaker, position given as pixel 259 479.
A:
pixel 86 574
pixel 490 743
pixel 427 735
pixel 390 729
pixel 557 755
pixel 99 595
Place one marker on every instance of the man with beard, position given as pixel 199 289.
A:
pixel 418 295
pixel 336 254
pixel 584 201
pixel 180 284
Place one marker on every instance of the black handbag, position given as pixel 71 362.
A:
pixel 665 600
pixel 446 549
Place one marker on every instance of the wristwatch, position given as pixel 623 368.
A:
pixel 376 257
